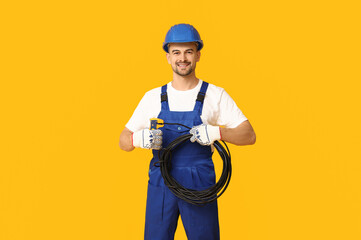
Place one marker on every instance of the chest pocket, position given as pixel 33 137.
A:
pixel 187 149
pixel 176 129
pixel 171 132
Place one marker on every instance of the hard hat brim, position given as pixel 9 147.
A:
pixel 165 44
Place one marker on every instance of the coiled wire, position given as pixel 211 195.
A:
pixel 189 195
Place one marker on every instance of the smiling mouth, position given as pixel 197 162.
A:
pixel 183 65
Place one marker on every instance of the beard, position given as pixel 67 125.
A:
pixel 182 73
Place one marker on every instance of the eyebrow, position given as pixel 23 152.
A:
pixel 175 50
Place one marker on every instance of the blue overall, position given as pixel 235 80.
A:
pixel 192 166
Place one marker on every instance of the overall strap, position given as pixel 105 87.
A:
pixel 200 98
pixel 164 98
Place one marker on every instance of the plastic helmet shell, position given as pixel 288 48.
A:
pixel 182 33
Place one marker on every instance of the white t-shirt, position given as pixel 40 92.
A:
pixel 219 109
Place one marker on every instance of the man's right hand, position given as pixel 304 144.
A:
pixel 149 139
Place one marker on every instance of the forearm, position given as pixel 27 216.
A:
pixel 243 134
pixel 125 140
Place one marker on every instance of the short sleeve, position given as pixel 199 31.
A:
pixel 230 115
pixel 140 117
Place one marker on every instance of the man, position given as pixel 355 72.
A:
pixel 203 107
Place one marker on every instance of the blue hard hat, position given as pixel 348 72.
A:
pixel 182 33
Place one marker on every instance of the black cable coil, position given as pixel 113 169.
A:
pixel 189 195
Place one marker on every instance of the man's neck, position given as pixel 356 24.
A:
pixel 183 83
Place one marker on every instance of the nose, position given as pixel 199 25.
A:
pixel 183 57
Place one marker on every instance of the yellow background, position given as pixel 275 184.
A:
pixel 72 73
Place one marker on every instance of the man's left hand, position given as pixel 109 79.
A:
pixel 205 134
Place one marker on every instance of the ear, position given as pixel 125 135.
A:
pixel 168 57
pixel 198 56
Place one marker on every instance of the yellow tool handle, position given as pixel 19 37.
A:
pixel 156 123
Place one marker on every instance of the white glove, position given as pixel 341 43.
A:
pixel 205 134
pixel 149 139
